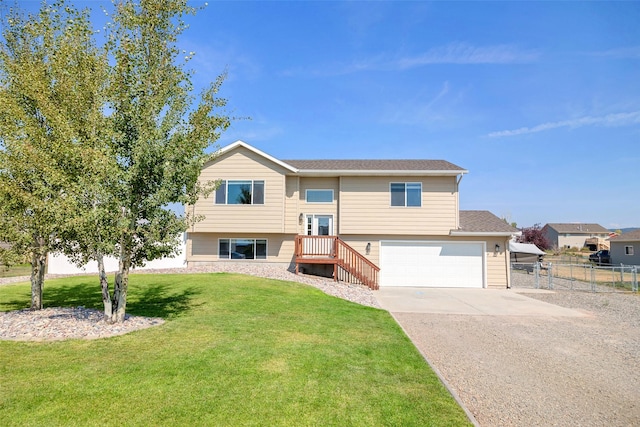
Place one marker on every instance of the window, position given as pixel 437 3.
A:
pixel 406 194
pixel 319 196
pixel 242 248
pixel 628 250
pixel 245 192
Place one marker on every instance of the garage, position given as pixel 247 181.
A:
pixel 432 264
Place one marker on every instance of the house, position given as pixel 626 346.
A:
pixel 625 248
pixel 377 222
pixel 574 235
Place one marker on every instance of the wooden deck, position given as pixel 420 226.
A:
pixel 331 250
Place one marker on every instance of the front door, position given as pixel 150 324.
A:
pixel 319 225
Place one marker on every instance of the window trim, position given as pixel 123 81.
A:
pixel 306 195
pixel 255 244
pixel 225 183
pixel 628 250
pixel 406 194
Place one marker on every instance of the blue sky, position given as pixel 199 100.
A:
pixel 540 101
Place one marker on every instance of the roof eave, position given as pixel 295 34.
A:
pixel 463 233
pixel 348 172
pixel 243 144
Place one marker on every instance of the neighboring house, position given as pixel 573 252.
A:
pixel 378 222
pixel 573 235
pixel 625 248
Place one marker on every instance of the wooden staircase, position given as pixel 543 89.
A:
pixel 348 264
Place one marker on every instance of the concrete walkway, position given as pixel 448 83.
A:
pixel 491 302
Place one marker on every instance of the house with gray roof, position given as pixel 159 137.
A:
pixel 625 248
pixel 376 222
pixel 573 235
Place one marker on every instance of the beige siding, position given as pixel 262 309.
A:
pixel 498 267
pixel 203 247
pixel 308 183
pixel 365 207
pixel 242 164
pixel 292 205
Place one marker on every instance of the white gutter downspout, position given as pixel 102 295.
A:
pixel 458 201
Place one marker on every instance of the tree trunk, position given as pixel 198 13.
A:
pixel 120 288
pixel 104 285
pixel 38 266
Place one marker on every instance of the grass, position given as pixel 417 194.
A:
pixel 15 270
pixel 235 351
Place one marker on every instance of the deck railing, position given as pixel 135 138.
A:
pixel 333 250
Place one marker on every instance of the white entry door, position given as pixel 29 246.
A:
pixel 319 225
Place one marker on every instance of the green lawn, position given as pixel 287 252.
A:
pixel 235 351
pixel 15 270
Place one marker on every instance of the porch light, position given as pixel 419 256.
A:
pixel 368 248
pixel 300 218
pixel 497 249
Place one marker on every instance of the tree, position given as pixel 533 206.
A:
pixel 93 154
pixel 46 65
pixel 535 235
pixel 158 139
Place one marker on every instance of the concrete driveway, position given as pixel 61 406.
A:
pixel 492 302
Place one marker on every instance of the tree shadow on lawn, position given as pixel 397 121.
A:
pixel 150 300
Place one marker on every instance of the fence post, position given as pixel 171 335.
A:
pixel 593 279
pixel 550 275
pixel 634 279
pixel 537 274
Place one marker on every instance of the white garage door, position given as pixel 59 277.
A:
pixel 432 264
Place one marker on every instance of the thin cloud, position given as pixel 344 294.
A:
pixel 453 53
pixel 440 95
pixel 463 53
pixel 632 52
pixel 619 119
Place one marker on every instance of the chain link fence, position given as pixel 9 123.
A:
pixel 579 277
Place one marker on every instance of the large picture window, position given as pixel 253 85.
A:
pixel 319 196
pixel 240 192
pixel 242 248
pixel 406 193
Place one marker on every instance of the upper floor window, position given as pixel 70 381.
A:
pixel 406 194
pixel 237 192
pixel 628 250
pixel 319 196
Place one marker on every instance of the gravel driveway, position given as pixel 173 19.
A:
pixel 540 371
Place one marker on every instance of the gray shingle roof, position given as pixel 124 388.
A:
pixel 577 228
pixel 375 165
pixel 627 237
pixel 483 221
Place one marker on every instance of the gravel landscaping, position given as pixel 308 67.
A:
pixel 525 371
